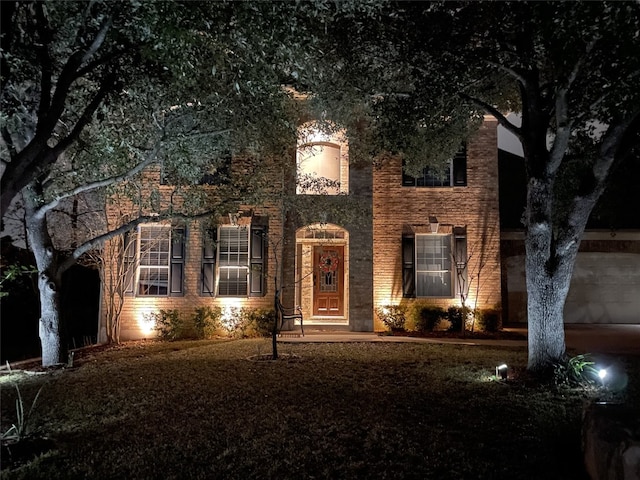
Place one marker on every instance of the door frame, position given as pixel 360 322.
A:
pixel 307 238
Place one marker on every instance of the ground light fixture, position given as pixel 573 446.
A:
pixel 501 371
pixel 602 374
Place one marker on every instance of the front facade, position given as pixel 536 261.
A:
pixel 359 236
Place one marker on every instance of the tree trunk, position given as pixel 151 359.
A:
pixel 546 295
pixel 49 280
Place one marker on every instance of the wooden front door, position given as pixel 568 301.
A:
pixel 328 281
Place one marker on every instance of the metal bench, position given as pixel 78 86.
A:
pixel 292 314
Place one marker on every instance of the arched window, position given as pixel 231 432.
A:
pixel 322 165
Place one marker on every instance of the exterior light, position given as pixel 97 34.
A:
pixel 434 224
pixel 602 373
pixel 234 217
pixel 501 371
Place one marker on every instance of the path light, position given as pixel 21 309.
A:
pixel 501 371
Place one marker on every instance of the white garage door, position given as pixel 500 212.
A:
pixel 605 288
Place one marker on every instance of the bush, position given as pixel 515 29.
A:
pixel 428 317
pixel 262 321
pixel 245 322
pixel 393 316
pixel 206 321
pixel 234 321
pixel 167 323
pixel 458 315
pixel 489 319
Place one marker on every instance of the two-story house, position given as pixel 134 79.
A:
pixel 359 236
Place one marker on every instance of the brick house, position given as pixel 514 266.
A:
pixel 406 239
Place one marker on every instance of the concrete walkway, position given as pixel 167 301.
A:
pixel 609 339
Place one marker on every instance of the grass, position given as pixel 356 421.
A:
pixel 201 409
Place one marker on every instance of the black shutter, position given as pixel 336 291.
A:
pixel 460 168
pixel 408 268
pixel 257 261
pixel 176 274
pixel 129 261
pixel 461 259
pixel 208 272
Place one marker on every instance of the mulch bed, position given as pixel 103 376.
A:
pixel 501 335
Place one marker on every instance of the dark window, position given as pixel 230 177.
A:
pixel 454 175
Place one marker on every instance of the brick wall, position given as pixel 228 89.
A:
pixel 375 213
pixel 398 209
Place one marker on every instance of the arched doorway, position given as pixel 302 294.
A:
pixel 322 274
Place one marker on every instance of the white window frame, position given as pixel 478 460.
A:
pixel 144 254
pixel 235 268
pixel 434 270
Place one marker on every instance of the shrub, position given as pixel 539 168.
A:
pixel 458 315
pixel 489 319
pixel 393 316
pixel 233 321
pixel 428 317
pixel 206 321
pixel 168 324
pixel 262 321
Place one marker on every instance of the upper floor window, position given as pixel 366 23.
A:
pixel 454 175
pixel 321 161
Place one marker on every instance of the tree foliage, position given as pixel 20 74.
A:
pixel 94 93
pixel 414 78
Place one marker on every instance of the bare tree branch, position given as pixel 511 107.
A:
pixel 99 184
pixel 98 40
pixel 87 115
pixel 100 239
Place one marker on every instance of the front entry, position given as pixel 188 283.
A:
pixel 328 280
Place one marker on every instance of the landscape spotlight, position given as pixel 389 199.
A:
pixel 501 371
pixel 602 373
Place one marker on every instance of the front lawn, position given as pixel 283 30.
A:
pixel 201 409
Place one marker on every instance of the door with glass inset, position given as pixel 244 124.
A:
pixel 328 281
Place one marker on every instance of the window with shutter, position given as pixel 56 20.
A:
pixel 429 267
pixel 433 266
pixel 161 256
